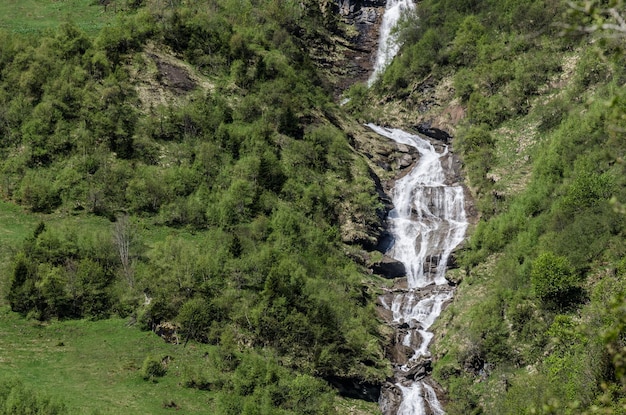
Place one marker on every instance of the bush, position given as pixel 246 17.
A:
pixel 195 319
pixel 153 368
pixel 553 280
pixel 39 193
pixel 16 399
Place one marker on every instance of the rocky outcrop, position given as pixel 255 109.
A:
pixel 356 389
pixel 391 398
pixel 360 45
pixel 168 332
pixel 360 11
pixel 433 132
pixel 389 267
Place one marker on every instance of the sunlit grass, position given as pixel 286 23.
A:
pixel 31 16
pixel 94 366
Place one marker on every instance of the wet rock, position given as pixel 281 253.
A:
pixel 355 388
pixel 432 132
pixel 419 369
pixel 452 261
pixel 416 373
pixel 390 398
pixel 357 48
pixel 400 354
pixel 414 325
pixel 360 11
pixel 389 268
pixel 386 240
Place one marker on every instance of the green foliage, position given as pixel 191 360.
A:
pixel 541 150
pixel 153 368
pixel 16 399
pixel 553 280
pixel 237 182
pixel 61 276
pixel 195 319
pixel 467 40
pixel 259 385
pixel 476 144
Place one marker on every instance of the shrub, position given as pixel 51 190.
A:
pixel 152 368
pixel 16 399
pixel 553 280
pixel 195 318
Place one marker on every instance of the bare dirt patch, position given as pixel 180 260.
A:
pixel 162 79
pixel 173 77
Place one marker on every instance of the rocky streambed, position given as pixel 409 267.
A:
pixel 425 226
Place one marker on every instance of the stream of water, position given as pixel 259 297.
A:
pixel 388 45
pixel 427 223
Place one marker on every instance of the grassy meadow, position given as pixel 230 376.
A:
pixel 94 366
pixel 27 16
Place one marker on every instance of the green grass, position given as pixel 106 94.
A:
pixel 94 366
pixel 31 16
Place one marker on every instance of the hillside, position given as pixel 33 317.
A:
pixel 182 169
pixel 180 173
pixel 534 94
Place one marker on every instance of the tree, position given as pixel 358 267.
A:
pixel 122 237
pixel 553 280
pixel 195 319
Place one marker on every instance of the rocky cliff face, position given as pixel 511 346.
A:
pixel 351 54
pixel 360 10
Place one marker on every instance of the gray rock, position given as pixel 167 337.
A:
pixel 402 148
pixel 389 268
pixel 405 161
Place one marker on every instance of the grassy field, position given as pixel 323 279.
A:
pixel 94 366
pixel 31 16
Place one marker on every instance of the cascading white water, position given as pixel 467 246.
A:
pixel 388 45
pixel 428 221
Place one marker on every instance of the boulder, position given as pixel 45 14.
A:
pixel 419 370
pixel 389 268
pixel 167 331
pixel 432 132
pixel 355 388
pixel 405 161
pixel 390 398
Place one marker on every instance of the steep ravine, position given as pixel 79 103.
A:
pixel 426 225
pixel 427 222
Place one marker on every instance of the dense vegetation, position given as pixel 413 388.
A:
pixel 537 326
pixel 206 120
pixel 198 141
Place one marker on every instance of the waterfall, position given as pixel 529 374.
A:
pixel 428 221
pixel 388 45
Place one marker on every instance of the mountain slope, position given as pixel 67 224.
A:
pixel 537 114
pixel 182 169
